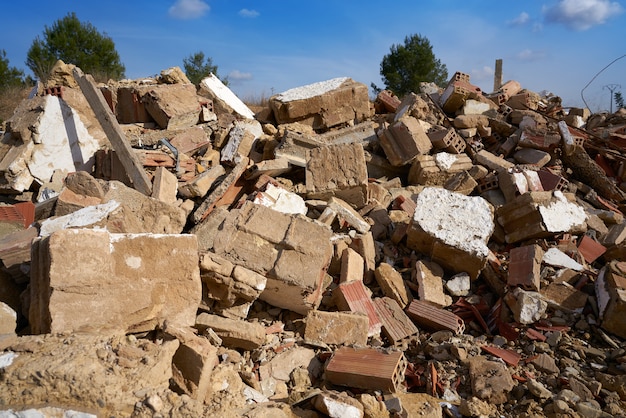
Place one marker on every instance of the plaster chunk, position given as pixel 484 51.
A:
pixel 562 215
pixel 464 222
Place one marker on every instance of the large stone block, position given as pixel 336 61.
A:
pixel 452 229
pixel 324 104
pixel 404 140
pixel 337 170
pixel 173 106
pixel 292 251
pixel 93 281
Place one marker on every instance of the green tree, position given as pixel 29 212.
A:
pixel 75 43
pixel 619 99
pixel 198 67
pixel 407 65
pixel 9 76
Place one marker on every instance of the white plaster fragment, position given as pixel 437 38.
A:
pixel 562 215
pixel 558 258
pixel 445 160
pixel 218 88
pixel 281 200
pixel 133 262
pixel 311 90
pixel 62 142
pixel 530 306
pixel 6 359
pixel 459 284
pixel 82 217
pixel 464 222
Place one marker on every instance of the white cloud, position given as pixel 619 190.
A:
pixel 482 74
pixel 238 75
pixel 520 20
pixel 530 55
pixel 582 14
pixel 188 9
pixel 248 13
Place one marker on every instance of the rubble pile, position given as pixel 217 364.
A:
pixel 167 251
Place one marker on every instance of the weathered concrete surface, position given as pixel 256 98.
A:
pixel 157 275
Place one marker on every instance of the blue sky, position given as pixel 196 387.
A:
pixel 266 47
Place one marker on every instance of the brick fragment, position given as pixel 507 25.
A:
pixel 525 267
pixel 366 368
pixel 355 297
pixel 397 327
pixel 336 328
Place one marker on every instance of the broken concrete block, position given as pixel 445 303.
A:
pixel 348 215
pixel 45 135
pixel 364 245
pixel 15 249
pixel 366 368
pixel 338 405
pixel 193 363
pixel 452 229
pixel 429 277
pixel 323 105
pixel 224 100
pixel 157 274
pixel 352 266
pixel 164 186
pixel 337 170
pixel 229 290
pixel 493 162
pixel 539 215
pixel 525 267
pixel 282 366
pixel 224 194
pixel 173 106
pixel 392 284
pixel 293 146
pixel 336 328
pixel 281 200
pixel 155 216
pixel 112 216
pixel 355 297
pixel 241 140
pixel 527 307
pixel 190 140
pixel 611 297
pixel 436 170
pixel 403 140
pixel 202 183
pixel 235 333
pixel 293 252
pixel 491 381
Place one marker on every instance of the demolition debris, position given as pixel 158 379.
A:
pixel 168 251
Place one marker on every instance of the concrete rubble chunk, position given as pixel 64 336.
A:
pixel 193 363
pixel 438 169
pixel 429 277
pixel 337 170
pixel 158 274
pixel 241 140
pixel 452 229
pixel 324 104
pixel 403 140
pixel 234 333
pixel 338 405
pixel 336 328
pixel 224 100
pixel 392 284
pixel 173 106
pixel 611 298
pixel 293 253
pixel 527 307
